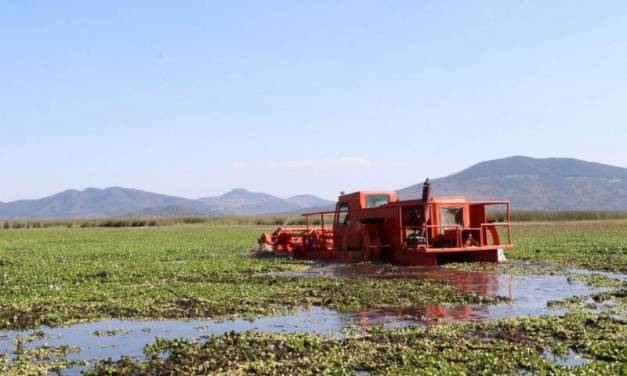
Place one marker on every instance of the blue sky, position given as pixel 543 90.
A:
pixel 286 97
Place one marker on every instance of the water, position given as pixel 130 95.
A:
pixel 136 334
pixel 570 359
pixel 529 295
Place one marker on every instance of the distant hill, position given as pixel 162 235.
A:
pixel 118 201
pixel 309 201
pixel 170 211
pixel 240 201
pixel 535 183
pixel 530 183
pixel 89 203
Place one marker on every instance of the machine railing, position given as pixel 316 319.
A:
pixel 494 226
pixel 458 233
pixel 482 241
pixel 309 224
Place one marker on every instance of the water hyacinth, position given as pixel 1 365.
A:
pixel 59 276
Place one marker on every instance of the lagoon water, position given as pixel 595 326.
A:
pixel 528 296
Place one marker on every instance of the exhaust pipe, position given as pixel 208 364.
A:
pixel 426 191
pixel 426 197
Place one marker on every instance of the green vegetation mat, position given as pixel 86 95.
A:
pixel 596 245
pixel 504 347
pixel 58 276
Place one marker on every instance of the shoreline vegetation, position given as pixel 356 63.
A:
pixel 518 216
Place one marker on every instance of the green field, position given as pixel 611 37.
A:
pixel 58 276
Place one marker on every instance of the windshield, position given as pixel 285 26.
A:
pixel 452 216
pixel 342 216
pixel 374 201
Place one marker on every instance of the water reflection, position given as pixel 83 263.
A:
pixel 528 294
pixel 480 283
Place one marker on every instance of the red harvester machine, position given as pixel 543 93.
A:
pixel 375 225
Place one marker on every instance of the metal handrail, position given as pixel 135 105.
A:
pixel 457 228
pixel 506 224
pixel 321 214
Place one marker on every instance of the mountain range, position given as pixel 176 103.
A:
pixel 529 183
pixel 537 184
pixel 118 201
pixel 242 202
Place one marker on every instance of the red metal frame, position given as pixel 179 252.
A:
pixel 370 232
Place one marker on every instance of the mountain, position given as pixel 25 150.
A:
pixel 529 183
pixel 170 211
pixel 309 201
pixel 537 183
pixel 117 202
pixel 91 202
pixel 240 202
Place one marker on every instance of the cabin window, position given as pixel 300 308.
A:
pixel 342 214
pixel 452 216
pixel 374 201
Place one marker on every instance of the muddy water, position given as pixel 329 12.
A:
pixel 529 295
